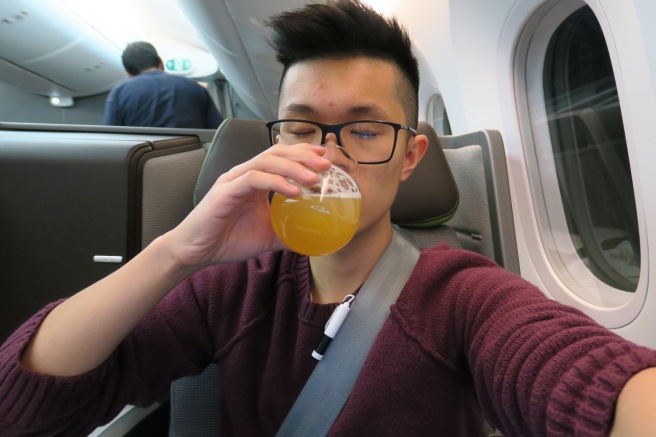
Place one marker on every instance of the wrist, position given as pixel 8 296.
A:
pixel 169 262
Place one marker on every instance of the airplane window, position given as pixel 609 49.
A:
pixel 437 116
pixel 589 149
pixel 588 217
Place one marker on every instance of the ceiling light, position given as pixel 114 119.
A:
pixel 61 101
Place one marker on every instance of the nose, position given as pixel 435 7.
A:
pixel 340 157
pixel 333 152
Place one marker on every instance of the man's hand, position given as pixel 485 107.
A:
pixel 232 221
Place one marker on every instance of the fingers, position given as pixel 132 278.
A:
pixel 256 180
pixel 271 169
pixel 232 221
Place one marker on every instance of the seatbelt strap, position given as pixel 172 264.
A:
pixel 330 384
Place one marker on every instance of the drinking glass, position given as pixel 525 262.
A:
pixel 325 216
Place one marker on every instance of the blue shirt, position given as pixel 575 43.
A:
pixel 159 99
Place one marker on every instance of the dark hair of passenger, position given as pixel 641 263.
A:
pixel 340 29
pixel 140 56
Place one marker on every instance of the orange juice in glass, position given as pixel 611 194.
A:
pixel 323 218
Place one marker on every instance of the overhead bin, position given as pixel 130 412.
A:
pixel 235 36
pixel 48 50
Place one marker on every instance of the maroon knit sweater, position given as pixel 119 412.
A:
pixel 463 333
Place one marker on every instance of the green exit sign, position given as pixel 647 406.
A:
pixel 178 65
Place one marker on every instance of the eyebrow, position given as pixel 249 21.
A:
pixel 371 110
pixel 298 108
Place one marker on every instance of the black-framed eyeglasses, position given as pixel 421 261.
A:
pixel 367 141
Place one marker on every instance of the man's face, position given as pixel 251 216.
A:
pixel 337 91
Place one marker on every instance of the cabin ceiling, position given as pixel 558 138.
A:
pixel 50 49
pixel 234 32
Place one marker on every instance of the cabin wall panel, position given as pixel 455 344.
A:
pixel 69 196
pixel 26 107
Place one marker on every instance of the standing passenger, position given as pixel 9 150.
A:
pixel 154 98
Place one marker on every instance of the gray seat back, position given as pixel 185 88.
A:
pixel 484 220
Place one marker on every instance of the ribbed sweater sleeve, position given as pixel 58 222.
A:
pixel 171 341
pixel 540 368
pixel 34 404
pixel 583 402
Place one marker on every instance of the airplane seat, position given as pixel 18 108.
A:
pixel 423 204
pixel 426 200
pixel 484 220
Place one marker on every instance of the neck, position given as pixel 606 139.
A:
pixel 341 273
pixel 148 70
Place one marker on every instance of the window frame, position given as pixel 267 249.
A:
pixel 561 269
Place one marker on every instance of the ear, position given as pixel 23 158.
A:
pixel 414 151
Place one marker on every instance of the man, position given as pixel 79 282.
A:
pixel 154 98
pixel 463 332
